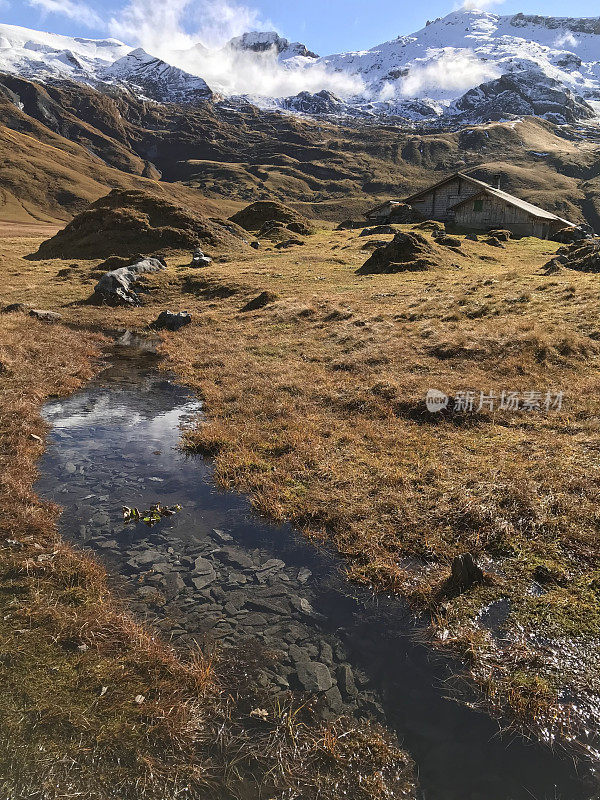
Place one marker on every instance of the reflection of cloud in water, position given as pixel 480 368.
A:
pixel 85 414
pixel 118 418
pixel 166 426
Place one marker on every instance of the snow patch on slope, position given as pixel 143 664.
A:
pixel 156 79
pixel 36 54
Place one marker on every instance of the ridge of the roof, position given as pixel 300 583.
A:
pixel 462 175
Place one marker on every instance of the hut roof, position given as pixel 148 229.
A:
pixel 485 188
pixel 529 208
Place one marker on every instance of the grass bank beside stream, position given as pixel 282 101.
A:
pixel 315 408
pixel 93 705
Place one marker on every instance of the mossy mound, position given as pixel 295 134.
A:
pixel 132 222
pixel 583 256
pixel 254 216
pixel 406 252
pixel 430 225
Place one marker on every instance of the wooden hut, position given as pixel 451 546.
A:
pixel 475 205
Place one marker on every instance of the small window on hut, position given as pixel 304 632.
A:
pixel 478 204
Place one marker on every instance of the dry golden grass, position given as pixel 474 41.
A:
pixel 315 408
pixel 72 662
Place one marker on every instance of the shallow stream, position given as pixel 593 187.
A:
pixel 216 569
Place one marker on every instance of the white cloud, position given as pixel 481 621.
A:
pixel 173 30
pixel 566 39
pixel 388 91
pixel 80 12
pixel 244 72
pixel 480 5
pixel 453 69
pixel 170 25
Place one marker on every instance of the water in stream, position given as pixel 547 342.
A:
pixel 215 569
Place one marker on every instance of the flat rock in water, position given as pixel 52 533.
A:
pixel 222 536
pixel 302 605
pixel 146 558
pixel 304 574
pixel 270 606
pixel 268 569
pixel 237 557
pixel 314 676
pixel 202 566
pixel 174 584
pixel 202 581
pixel 346 682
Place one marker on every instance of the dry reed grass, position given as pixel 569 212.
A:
pixel 315 409
pixel 94 705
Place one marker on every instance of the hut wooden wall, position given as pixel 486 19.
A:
pixel 435 204
pixel 488 212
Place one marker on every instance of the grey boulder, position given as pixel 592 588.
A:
pixel 314 676
pixel 45 316
pixel 199 259
pixel 167 320
pixel 115 287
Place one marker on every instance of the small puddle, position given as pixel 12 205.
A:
pixel 215 569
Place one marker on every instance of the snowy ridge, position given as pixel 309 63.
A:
pixel 466 49
pixel 155 79
pixel 469 66
pixel 35 54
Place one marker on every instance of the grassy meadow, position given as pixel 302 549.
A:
pixel 315 408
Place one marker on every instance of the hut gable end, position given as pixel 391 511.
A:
pixel 493 208
pixel 434 202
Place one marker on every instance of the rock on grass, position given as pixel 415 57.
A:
pixel 582 256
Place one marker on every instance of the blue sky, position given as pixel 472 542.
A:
pixel 326 26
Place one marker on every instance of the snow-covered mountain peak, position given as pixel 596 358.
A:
pixel 37 54
pixel 469 65
pixel 466 49
pixel 265 41
pixel 154 78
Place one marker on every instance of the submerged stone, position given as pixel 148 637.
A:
pixel 314 676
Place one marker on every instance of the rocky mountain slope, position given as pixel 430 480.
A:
pixel 65 144
pixel 151 77
pixel 470 66
pixel 466 49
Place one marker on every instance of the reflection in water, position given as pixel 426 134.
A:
pixel 116 443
